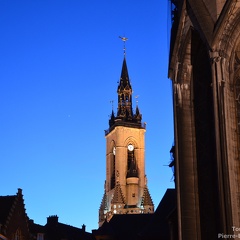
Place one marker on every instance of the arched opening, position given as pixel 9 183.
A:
pixel 113 168
pixel 132 169
pixel 237 93
pixel 205 137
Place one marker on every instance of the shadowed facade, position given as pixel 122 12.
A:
pixel 204 68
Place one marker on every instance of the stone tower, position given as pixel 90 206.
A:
pixel 126 189
pixel 204 67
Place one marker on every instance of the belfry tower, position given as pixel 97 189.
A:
pixel 126 189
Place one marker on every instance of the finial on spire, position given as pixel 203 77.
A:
pixel 124 39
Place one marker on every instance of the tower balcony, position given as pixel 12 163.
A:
pixel 125 124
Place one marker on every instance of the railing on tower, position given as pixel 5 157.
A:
pixel 125 124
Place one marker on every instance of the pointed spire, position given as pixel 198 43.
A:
pixel 103 208
pixel 124 79
pixel 137 111
pixel 103 205
pixel 124 91
pixel 118 195
pixel 138 115
pixel 146 199
pixel 112 119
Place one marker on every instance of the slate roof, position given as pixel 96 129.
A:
pixel 124 226
pixel 141 226
pixel 55 230
pixel 34 229
pixel 157 227
pixel 64 231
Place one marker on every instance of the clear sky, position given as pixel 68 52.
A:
pixel 60 61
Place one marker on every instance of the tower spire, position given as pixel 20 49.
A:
pixel 125 114
pixel 124 95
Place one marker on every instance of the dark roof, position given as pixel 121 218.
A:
pixel 141 226
pixel 55 230
pixel 6 203
pixel 124 226
pixel 157 227
pixel 58 231
pixel 35 228
pixel 64 231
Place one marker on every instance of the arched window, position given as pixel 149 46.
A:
pixel 17 235
pixel 130 155
pixel 132 169
pixel 113 176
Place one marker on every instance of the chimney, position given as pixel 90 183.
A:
pixel 19 191
pixel 83 227
pixel 52 220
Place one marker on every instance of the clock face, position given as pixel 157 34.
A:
pixel 114 151
pixel 130 147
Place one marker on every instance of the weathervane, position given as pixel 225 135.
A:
pixel 124 39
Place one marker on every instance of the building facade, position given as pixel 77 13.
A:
pixel 55 230
pixel 126 190
pixel 13 217
pixel 16 225
pixel 204 67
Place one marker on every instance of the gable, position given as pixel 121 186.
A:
pixel 13 217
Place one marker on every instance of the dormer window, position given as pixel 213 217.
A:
pixel 17 235
pixel 40 236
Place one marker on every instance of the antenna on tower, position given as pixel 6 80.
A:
pixel 124 39
pixel 137 99
pixel 112 103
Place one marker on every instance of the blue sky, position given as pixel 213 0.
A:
pixel 60 62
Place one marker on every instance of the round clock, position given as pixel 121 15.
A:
pixel 130 147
